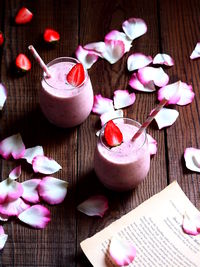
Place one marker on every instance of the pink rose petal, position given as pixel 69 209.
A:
pixel 192 159
pixel 114 50
pixel 36 216
pixel 10 190
pixel 12 146
pixel 97 47
pixel 122 252
pixel 134 27
pixel 110 116
pixel 123 99
pixel 137 85
pixel 187 94
pixel 157 75
pixel 13 208
pixel 4 218
pixel 30 193
pixel 163 59
pixel 15 173
pixel 166 117
pixel 1 230
pixel 3 95
pixel 45 165
pixel 31 152
pixel 94 206
pixel 3 237
pixel 102 105
pixel 86 57
pixel 138 61
pixel 196 51
pixel 52 190
pixel 190 225
pixel 152 145
pixel 116 35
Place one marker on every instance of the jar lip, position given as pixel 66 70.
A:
pixel 129 121
pixel 65 59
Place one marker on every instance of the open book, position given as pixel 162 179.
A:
pixel 155 228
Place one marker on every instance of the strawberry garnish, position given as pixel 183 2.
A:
pixel 23 16
pixel 1 38
pixel 51 36
pixel 23 63
pixel 76 75
pixel 112 134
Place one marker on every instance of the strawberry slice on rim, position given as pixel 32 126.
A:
pixel 51 36
pixel 112 134
pixel 22 62
pixel 23 16
pixel 1 38
pixel 76 75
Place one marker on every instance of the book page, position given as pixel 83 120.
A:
pixel 155 228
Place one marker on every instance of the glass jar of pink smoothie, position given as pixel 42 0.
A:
pixel 122 167
pixel 62 104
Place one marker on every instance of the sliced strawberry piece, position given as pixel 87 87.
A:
pixel 23 16
pixel 112 134
pixel 51 36
pixel 76 75
pixel 1 38
pixel 23 63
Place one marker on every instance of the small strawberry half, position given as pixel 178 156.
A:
pixel 76 75
pixel 51 36
pixel 23 63
pixel 112 134
pixel 1 38
pixel 23 16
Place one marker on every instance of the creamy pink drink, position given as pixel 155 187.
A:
pixel 62 104
pixel 122 167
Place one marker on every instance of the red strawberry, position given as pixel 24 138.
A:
pixel 1 38
pixel 51 36
pixel 113 134
pixel 76 75
pixel 23 63
pixel 23 16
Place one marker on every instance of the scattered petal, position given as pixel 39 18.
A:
pixel 114 50
pixel 110 115
pixel 3 237
pixel 166 117
pixel 10 190
pixel 121 36
pixel 45 165
pixel 97 47
pixel 138 61
pixel 123 99
pixel 4 218
pixel 196 51
pixel 163 59
pixel 190 224
pixel 1 230
pixel 102 105
pixel 3 95
pixel 52 190
pixel 137 85
pixel 13 208
pixel 157 75
pixel 30 193
pixel 152 145
pixel 15 173
pixel 32 152
pixel 86 57
pixel 94 206
pixel 134 27
pixel 192 159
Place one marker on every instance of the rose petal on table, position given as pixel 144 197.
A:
pixel 152 145
pixel 3 95
pixel 187 94
pixel 86 57
pixel 192 159
pixel 114 50
pixel 196 51
pixel 163 59
pixel 30 193
pixel 36 216
pixel 110 116
pixel 32 152
pixel 45 165
pixel 13 208
pixel 94 206
pixel 116 35
pixel 52 190
pixel 1 230
pixel 157 75
pixel 166 117
pixel 138 61
pixel 12 146
pixel 122 252
pixel 4 218
pixel 10 190
pixel 137 85
pixel 134 27
pixel 102 104
pixel 97 47
pixel 3 237
pixel 123 99
pixel 15 173
pixel 189 225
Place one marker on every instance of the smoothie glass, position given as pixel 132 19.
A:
pixel 122 167
pixel 62 104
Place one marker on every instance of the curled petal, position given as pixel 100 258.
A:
pixel 166 117
pixel 137 85
pixel 10 190
pixel 86 57
pixel 97 47
pixel 15 173
pixel 114 50
pixel 94 206
pixel 102 104
pixel 192 159
pixel 36 216
pixel 3 95
pixel 45 165
pixel 123 99
pixel 134 27
pixel 122 252
pixel 3 237
pixel 152 145
pixel 157 75
pixel 52 190
pixel 138 61
pixel 13 208
pixel 163 59
pixel 196 51
pixel 30 193
pixel 116 35
pixel 191 225
pixel 32 152
pixel 110 116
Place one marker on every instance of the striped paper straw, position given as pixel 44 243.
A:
pixel 39 60
pixel 149 119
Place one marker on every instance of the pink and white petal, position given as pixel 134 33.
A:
pixel 36 216
pixel 32 152
pixel 196 51
pixel 3 239
pixel 110 116
pixel 45 165
pixel 157 75
pixel 86 57
pixel 102 105
pixel 12 146
pixel 116 35
pixel 134 27
pixel 10 190
pixel 123 99
pixel 4 218
pixel 189 226
pixel 137 85
pixel 138 61
pixel 197 222
pixel 94 206
pixel 166 117
pixel 192 159
pixel 97 47
pixel 30 193
pixel 3 95
pixel 52 190
pixel 152 145
pixel 122 252
pixel 15 173
pixel 98 133
pixel 13 208
pixel 1 230
pixel 187 94
pixel 170 92
pixel 114 50
pixel 163 59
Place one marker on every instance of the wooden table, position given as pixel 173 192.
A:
pixel 173 28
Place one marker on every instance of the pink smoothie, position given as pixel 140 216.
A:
pixel 62 104
pixel 122 167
